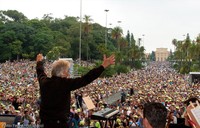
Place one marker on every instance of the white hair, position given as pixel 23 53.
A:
pixel 59 67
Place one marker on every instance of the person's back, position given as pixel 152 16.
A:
pixel 55 90
pixel 53 96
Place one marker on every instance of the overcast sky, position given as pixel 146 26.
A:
pixel 159 21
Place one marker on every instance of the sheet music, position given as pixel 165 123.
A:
pixel 88 103
pixel 196 113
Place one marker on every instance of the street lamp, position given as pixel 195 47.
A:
pixel 119 22
pixel 183 37
pixel 80 31
pixel 106 10
pixel 139 41
pixel 109 28
pixel 143 39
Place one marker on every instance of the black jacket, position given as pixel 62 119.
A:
pixel 55 92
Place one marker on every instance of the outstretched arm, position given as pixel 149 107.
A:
pixel 39 68
pixel 92 74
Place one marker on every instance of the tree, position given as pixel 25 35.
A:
pixel 42 41
pixel 5 51
pixel 60 40
pixel 174 42
pixel 186 46
pixel 87 27
pixel 12 15
pixel 128 38
pixel 98 37
pixel 132 39
pixel 197 50
pixel 152 56
pixel 16 48
pixel 116 34
pixel 141 52
pixel 54 54
pixel 123 43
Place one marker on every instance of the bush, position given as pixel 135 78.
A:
pixel 185 69
pixel 133 64
pixel 176 66
pixel 83 70
pixel 121 69
pixel 137 64
pixel 109 72
pixel 194 68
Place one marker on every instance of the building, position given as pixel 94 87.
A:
pixel 161 54
pixel 146 55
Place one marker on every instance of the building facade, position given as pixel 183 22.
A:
pixel 161 54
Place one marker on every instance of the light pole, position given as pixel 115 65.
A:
pixel 119 22
pixel 80 31
pixel 106 10
pixel 143 39
pixel 139 43
pixel 109 28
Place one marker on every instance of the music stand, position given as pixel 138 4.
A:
pixel 89 104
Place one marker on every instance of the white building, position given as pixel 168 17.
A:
pixel 161 54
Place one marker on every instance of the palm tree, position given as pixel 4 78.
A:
pixel 174 42
pixel 87 27
pixel 179 52
pixel 192 51
pixel 186 46
pixel 141 52
pixel 133 52
pixel 116 34
pixel 197 51
pixel 123 43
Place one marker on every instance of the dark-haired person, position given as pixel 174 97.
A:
pixel 171 118
pixel 154 115
pixel 55 90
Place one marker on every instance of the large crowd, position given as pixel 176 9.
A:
pixel 19 93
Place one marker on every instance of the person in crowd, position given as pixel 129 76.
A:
pixel 79 99
pixel 27 119
pixel 154 115
pixel 16 103
pixel 172 119
pixel 55 90
pixel 123 96
pixel 131 91
pixel 75 121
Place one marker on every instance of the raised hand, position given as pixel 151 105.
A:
pixel 39 57
pixel 108 61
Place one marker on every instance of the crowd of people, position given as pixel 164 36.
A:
pixel 157 82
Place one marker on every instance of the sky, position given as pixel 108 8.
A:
pixel 156 22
